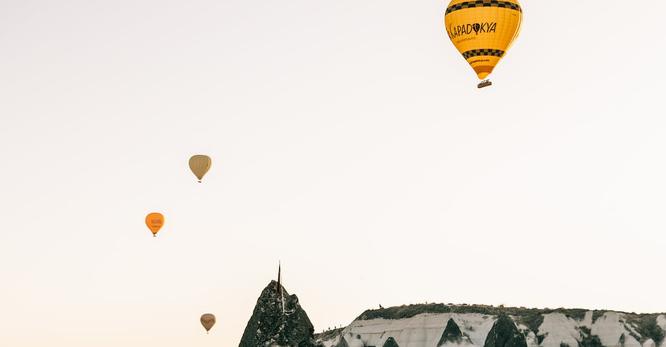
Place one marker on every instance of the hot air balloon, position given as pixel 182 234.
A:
pixel 207 320
pixel 483 31
pixel 154 221
pixel 200 164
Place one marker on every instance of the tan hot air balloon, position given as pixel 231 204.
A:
pixel 200 164
pixel 207 320
pixel 154 221
pixel 483 31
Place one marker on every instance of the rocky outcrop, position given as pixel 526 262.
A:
pixel 390 342
pixel 453 335
pixel 342 343
pixel 351 340
pixel 504 333
pixel 442 325
pixel 278 320
pixel 329 338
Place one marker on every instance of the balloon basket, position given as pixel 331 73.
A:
pixel 485 83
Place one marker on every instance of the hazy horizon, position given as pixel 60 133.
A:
pixel 349 141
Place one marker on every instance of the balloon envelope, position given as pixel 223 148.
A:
pixel 207 320
pixel 154 222
pixel 483 30
pixel 200 164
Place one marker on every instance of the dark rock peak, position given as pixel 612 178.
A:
pixel 504 333
pixel 278 319
pixel 390 342
pixel 452 334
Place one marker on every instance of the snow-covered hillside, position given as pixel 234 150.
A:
pixel 546 328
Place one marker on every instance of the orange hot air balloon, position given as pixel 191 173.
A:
pixel 154 221
pixel 483 31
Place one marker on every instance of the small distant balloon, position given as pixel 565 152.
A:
pixel 207 320
pixel 154 222
pixel 200 164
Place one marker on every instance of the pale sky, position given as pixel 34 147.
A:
pixel 349 140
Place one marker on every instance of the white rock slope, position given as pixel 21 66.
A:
pixel 552 328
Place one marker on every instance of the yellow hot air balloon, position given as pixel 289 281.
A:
pixel 207 320
pixel 483 31
pixel 154 221
pixel 200 164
